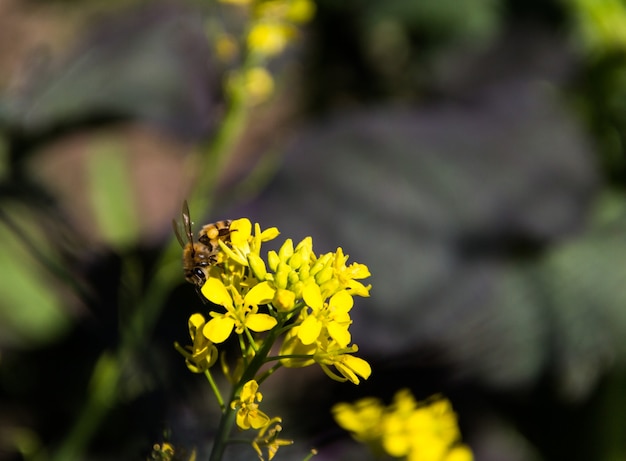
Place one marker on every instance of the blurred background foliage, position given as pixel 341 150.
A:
pixel 470 152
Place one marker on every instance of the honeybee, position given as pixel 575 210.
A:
pixel 199 256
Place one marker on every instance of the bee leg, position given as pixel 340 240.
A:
pixel 204 300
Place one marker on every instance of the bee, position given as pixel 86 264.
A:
pixel 199 256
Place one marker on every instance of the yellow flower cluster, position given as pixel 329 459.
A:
pixel 272 25
pixel 416 431
pixel 290 295
pixel 308 296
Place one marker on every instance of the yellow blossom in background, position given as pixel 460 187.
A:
pixel 362 419
pixel 270 38
pixel 226 47
pixel 416 431
pixel 248 413
pixel 300 11
pixel 259 85
pixel 271 26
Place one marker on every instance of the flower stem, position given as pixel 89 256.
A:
pixel 215 389
pixel 228 415
pixel 268 373
pixel 223 431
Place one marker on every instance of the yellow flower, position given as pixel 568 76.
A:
pixel 243 242
pixel 417 431
pixel 259 85
pixel 362 419
pixel 300 11
pixel 330 353
pixel 248 413
pixel 202 354
pixel 241 312
pixel 270 38
pixel 226 47
pixel 421 431
pixel 268 439
pixel 332 316
pixel 301 355
pixel 348 275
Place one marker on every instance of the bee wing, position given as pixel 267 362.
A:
pixel 176 228
pixel 187 222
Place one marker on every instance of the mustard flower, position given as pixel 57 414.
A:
pixel 243 241
pixel 300 11
pixel 162 452
pixel 270 38
pixel 268 439
pixel 241 312
pixel 248 413
pixel 330 353
pixel 416 431
pixel 332 316
pixel 327 353
pixel 362 419
pixel 259 85
pixel 348 275
pixel 202 354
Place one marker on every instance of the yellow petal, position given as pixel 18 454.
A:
pixel 258 419
pixel 262 293
pixel 242 420
pixel 218 329
pixel 339 333
pixel 460 453
pixel 269 234
pixel 313 296
pixel 358 289
pixel 293 346
pixel 249 390
pixel 240 230
pixel 260 322
pixel 309 330
pixel 342 301
pixel 215 291
pixel 354 365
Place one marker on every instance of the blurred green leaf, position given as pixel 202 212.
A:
pixel 473 20
pixel 32 309
pixel 150 61
pixel 111 193
pixel 584 280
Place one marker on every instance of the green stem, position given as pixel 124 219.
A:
pixel 228 417
pixel 215 389
pixel 268 373
pixel 223 432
